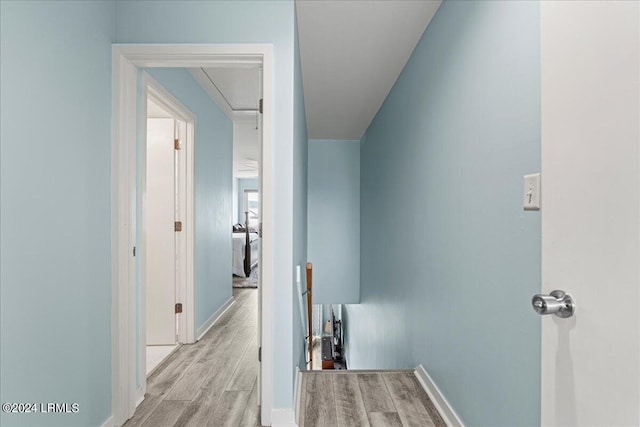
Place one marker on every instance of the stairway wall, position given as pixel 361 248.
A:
pixel 449 258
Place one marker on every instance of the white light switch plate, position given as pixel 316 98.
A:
pixel 532 192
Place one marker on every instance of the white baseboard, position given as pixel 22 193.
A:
pixel 202 330
pixel 109 422
pixel 297 394
pixel 444 408
pixel 140 392
pixel 283 418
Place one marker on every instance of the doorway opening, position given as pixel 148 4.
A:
pixel 127 62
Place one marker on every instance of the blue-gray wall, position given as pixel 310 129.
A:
pixel 56 189
pixel 55 213
pixel 213 185
pixel 449 258
pixel 334 220
pixel 300 176
pixel 244 184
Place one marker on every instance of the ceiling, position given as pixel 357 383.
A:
pixel 246 149
pixel 240 87
pixel 352 52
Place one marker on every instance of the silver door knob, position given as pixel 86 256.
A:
pixel 557 302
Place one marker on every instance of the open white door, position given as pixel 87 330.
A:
pixel 160 234
pixel 590 56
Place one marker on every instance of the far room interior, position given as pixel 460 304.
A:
pixel 240 89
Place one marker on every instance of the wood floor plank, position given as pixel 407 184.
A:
pixel 241 319
pixel 303 399
pixel 224 319
pixel 230 409
pixel 166 414
pixel 223 364
pixel 384 419
pixel 350 410
pixel 160 384
pixel 382 398
pixel 375 394
pixel 201 409
pixel 241 298
pixel 188 389
pixel 187 386
pixel 251 416
pixel 320 406
pixel 247 371
pixel 428 404
pixel 148 405
pixel 404 392
pixel 215 383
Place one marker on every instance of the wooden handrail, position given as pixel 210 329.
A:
pixel 309 312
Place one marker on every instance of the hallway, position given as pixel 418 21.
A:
pixel 212 382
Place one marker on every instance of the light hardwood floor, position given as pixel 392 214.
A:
pixel 365 398
pixel 211 382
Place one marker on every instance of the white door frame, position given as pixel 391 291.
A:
pixel 127 60
pixel 185 287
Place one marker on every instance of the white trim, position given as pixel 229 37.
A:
pixel 189 297
pixel 109 422
pixel 437 398
pixel 185 284
pixel 141 251
pixel 161 96
pixel 202 330
pixel 140 396
pixel 297 394
pixel 283 417
pixel 126 60
pixel 123 375
pixel 267 259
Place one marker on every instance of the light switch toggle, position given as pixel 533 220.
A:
pixel 532 192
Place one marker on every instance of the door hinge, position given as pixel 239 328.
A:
pixel 178 308
pixel 177 226
pixel 176 144
pixel 260 106
pixel 259 354
pixel 260 230
pixel 134 251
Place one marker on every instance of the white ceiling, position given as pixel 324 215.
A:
pixel 246 149
pixel 240 87
pixel 352 52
